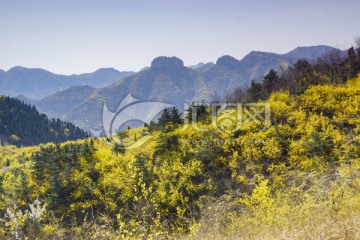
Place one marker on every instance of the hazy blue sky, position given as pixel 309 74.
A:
pixel 75 36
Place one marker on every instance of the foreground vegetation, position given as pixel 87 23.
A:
pixel 296 178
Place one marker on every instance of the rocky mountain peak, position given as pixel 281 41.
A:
pixel 161 62
pixel 227 61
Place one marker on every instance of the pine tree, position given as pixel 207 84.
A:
pixel 269 83
pixel 54 178
pixel 254 92
pixel 119 148
pixel 201 112
pixel 175 116
pixel 164 118
pixel 353 63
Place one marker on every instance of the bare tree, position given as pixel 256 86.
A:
pixel 215 98
pixel 332 62
pixel 357 46
pixel 236 96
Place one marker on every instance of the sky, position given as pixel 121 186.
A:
pixel 79 36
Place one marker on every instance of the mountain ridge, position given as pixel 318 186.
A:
pixel 36 83
pixel 169 80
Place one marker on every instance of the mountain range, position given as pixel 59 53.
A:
pixel 36 83
pixel 166 80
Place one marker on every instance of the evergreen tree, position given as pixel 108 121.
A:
pixel 201 112
pixel 168 116
pixel 353 63
pixel 164 118
pixel 269 83
pixel 175 116
pixel 254 92
pixel 119 148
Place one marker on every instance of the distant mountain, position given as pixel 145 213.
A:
pixel 36 83
pixel 144 68
pixel 232 72
pixel 307 52
pixel 168 80
pixel 100 78
pixel 61 103
pixel 226 74
pixel 23 125
pixel 202 67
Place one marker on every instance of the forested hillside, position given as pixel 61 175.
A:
pixel 23 125
pixel 293 173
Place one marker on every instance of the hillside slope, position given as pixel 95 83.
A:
pixel 23 125
pixel 301 172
